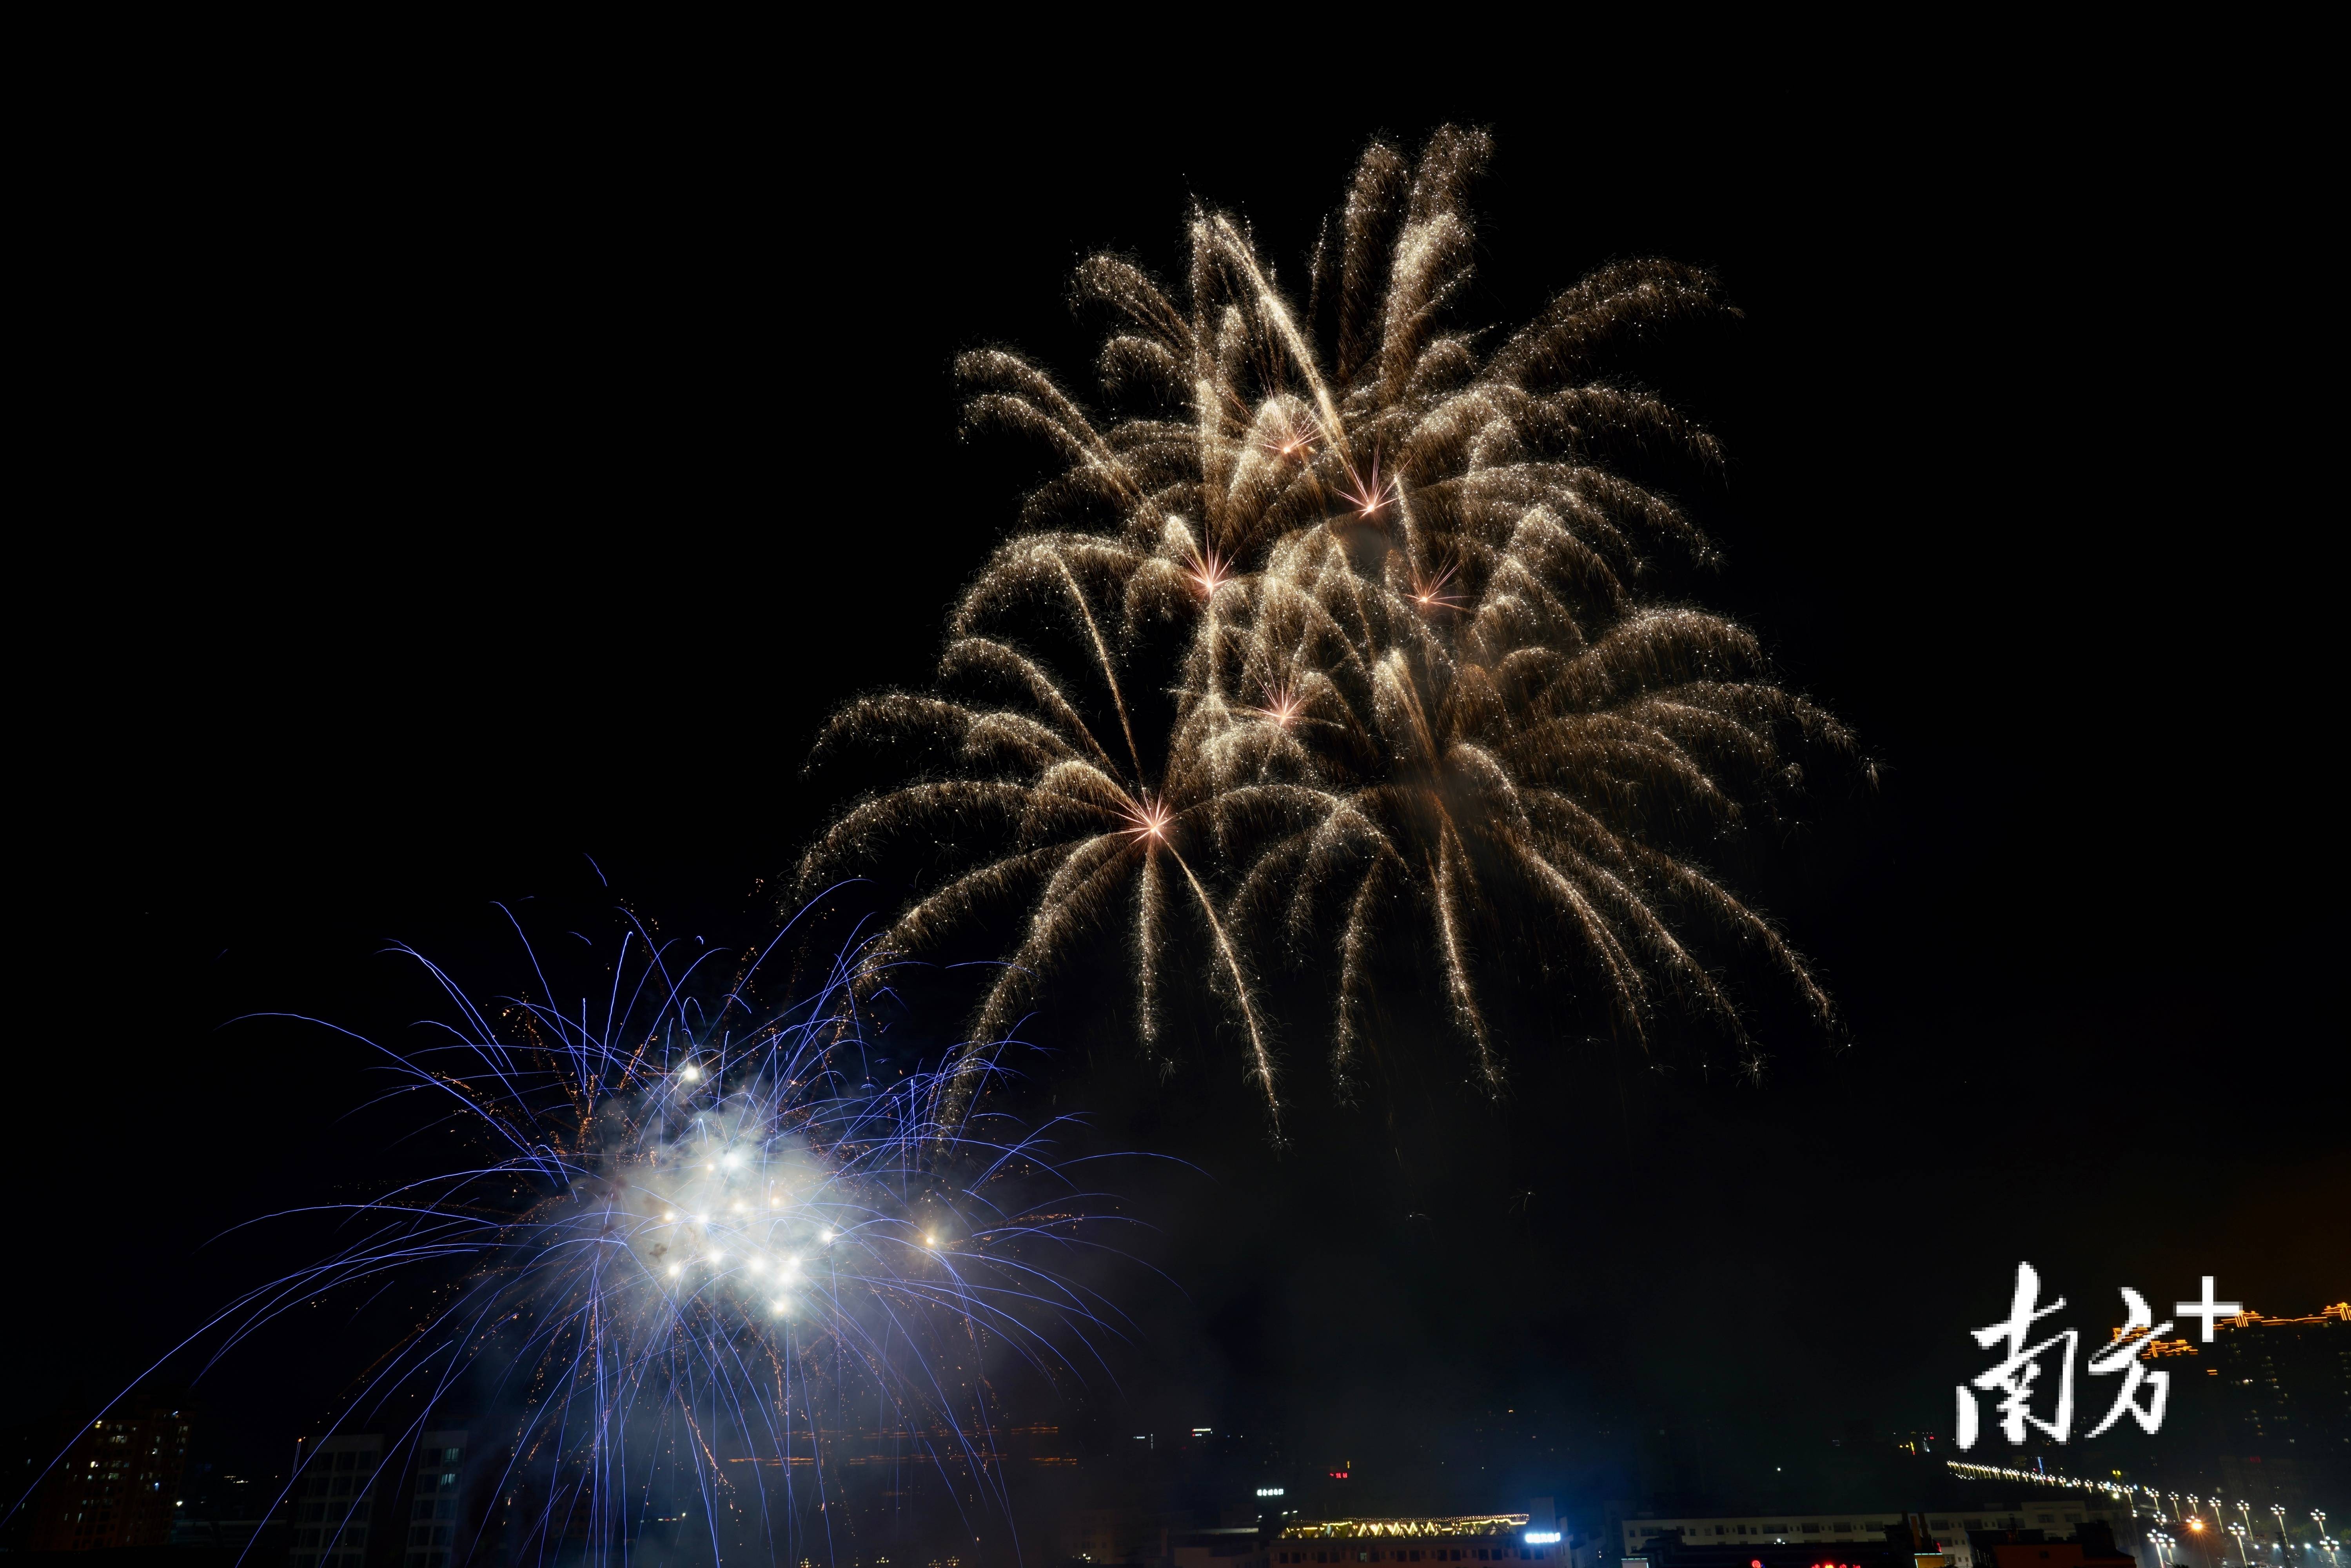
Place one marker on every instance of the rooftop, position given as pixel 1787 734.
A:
pixel 1405 1529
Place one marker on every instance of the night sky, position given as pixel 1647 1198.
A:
pixel 464 499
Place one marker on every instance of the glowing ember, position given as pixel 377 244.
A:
pixel 1522 766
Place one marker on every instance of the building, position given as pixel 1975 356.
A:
pixel 1674 1552
pixel 118 1485
pixel 1958 1535
pixel 334 1498
pixel 361 1503
pixel 2261 1412
pixel 2285 1406
pixel 2090 1548
pixel 1642 1534
pixel 1957 1532
pixel 1903 1541
pixel 1171 1537
pixel 1102 1535
pixel 437 1520
pixel 1227 1546
pixel 1469 1538
pixel 218 1508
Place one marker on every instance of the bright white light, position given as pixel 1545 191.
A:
pixel 758 1267
pixel 676 1269
pixel 671 1217
pixel 828 1234
pixel 791 1263
pixel 1542 1537
pixel 691 1074
pixel 716 1259
pixel 702 1219
pixel 930 1241
pixel 783 1308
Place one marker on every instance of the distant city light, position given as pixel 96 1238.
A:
pixel 1269 1491
pixel 1202 1431
pixel 1550 1538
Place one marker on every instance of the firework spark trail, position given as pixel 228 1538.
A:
pixel 700 1217
pixel 1408 592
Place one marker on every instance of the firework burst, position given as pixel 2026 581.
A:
pixel 703 1247
pixel 1421 702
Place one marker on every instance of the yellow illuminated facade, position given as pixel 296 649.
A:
pixel 1473 1524
pixel 1460 1538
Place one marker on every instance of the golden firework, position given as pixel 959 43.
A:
pixel 1412 682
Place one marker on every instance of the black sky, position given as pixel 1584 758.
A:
pixel 455 494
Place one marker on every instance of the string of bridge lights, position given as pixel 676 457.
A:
pixel 2182 1505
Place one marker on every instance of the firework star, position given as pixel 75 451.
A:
pixel 1428 723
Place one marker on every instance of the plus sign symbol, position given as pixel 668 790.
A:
pixel 2207 1308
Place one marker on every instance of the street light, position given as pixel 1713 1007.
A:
pixel 2240 1531
pixel 2195 1538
